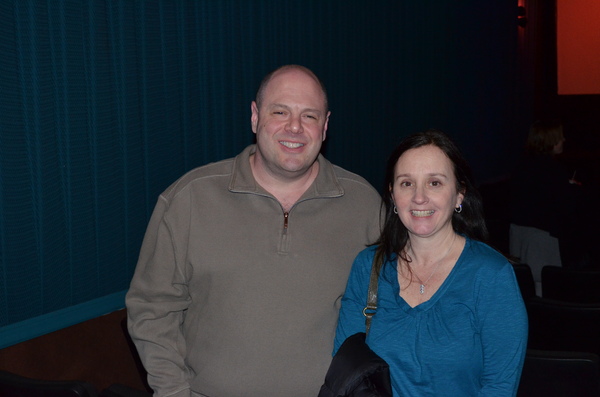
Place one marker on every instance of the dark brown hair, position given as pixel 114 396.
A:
pixel 469 222
pixel 543 136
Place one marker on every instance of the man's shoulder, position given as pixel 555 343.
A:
pixel 204 173
pixel 350 179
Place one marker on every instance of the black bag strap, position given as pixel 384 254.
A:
pixel 371 308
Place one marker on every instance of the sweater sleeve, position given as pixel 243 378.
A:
pixel 156 302
pixel 351 319
pixel 504 329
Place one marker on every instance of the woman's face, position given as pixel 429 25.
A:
pixel 424 191
pixel 558 148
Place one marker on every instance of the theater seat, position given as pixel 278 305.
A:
pixel 557 325
pixel 525 280
pixel 560 374
pixel 118 390
pixel 535 247
pixel 12 385
pixel 571 285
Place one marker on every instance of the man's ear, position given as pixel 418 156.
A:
pixel 325 126
pixel 254 116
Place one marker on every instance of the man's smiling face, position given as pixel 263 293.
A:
pixel 290 124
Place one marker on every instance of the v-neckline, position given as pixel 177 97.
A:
pixel 437 294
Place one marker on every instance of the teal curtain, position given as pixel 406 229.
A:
pixel 104 103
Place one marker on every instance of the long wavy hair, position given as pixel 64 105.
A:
pixel 469 222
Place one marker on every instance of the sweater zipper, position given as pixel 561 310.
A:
pixel 283 248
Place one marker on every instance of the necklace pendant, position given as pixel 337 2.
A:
pixel 422 289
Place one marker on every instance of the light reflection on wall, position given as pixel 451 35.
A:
pixel 578 46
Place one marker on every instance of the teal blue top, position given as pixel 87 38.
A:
pixel 469 339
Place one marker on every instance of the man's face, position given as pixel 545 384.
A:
pixel 290 125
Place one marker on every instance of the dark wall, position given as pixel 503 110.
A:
pixel 579 113
pixel 105 103
pixel 409 66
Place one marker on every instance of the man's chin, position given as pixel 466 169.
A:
pixel 296 169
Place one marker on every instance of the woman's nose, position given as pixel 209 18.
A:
pixel 420 195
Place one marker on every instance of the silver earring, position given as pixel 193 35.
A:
pixel 458 209
pixel 395 210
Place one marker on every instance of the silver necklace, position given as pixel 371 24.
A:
pixel 423 284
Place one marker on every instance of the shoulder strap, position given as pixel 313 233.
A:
pixel 371 308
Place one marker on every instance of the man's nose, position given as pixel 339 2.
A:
pixel 295 124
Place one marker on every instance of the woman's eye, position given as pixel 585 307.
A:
pixel 405 184
pixel 435 183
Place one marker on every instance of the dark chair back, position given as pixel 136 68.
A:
pixel 571 285
pixel 12 385
pixel 525 280
pixel 559 374
pixel 119 390
pixel 556 325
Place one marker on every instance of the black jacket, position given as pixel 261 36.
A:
pixel 356 371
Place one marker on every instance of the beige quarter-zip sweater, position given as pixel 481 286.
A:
pixel 234 297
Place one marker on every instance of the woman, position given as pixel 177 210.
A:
pixel 539 175
pixel 543 231
pixel 450 319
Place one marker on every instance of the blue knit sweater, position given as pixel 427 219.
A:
pixel 469 339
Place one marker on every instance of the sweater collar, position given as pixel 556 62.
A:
pixel 242 181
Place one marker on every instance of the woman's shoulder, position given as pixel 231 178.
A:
pixel 368 252
pixel 364 261
pixel 482 254
pixel 486 266
pixel 365 258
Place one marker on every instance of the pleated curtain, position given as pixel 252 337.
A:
pixel 105 103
